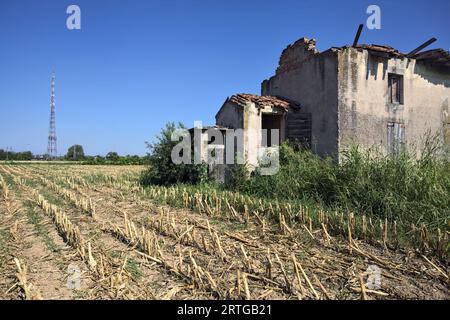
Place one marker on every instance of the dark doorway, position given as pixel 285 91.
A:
pixel 269 122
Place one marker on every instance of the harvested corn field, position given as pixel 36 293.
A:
pixel 91 232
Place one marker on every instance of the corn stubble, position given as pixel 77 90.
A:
pixel 279 250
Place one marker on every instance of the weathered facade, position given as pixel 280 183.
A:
pixel 367 95
pixel 372 96
pixel 252 114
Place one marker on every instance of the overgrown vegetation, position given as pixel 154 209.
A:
pixel 238 176
pixel 161 169
pixel 401 187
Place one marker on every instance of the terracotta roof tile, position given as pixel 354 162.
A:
pixel 262 101
pixel 436 56
pixel 388 50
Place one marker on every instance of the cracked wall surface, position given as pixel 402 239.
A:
pixel 346 91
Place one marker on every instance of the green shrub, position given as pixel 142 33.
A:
pixel 162 171
pixel 238 176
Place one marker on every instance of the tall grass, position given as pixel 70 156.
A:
pixel 400 188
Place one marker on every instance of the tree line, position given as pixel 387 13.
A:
pixel 18 156
pixel 76 153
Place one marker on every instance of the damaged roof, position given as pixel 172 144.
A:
pixel 214 127
pixel 243 99
pixel 304 49
pixel 437 57
pixel 383 50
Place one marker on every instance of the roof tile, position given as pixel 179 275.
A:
pixel 262 101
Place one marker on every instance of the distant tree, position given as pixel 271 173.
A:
pixel 75 152
pixel 24 156
pixel 135 159
pixel 130 160
pixel 112 156
pixel 99 160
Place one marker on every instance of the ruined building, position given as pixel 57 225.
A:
pixel 369 95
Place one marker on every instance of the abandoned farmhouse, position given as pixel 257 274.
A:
pixel 369 95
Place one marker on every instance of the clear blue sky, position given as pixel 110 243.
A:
pixel 135 65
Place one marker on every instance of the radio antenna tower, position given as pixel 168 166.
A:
pixel 51 147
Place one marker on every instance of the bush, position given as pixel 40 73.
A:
pixel 238 176
pixel 162 171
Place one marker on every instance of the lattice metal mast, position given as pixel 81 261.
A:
pixel 51 147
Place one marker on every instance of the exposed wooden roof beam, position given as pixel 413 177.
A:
pixel 358 34
pixel 421 47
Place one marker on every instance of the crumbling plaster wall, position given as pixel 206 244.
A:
pixel 230 116
pixel 253 130
pixel 364 108
pixel 310 78
pixel 249 119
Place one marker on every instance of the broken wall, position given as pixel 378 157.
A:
pixel 310 78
